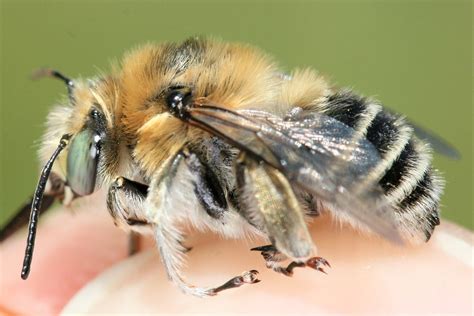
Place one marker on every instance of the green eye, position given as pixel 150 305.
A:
pixel 82 161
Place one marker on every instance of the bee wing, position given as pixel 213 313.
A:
pixel 315 152
pixel 439 144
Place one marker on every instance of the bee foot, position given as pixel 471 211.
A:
pixel 264 248
pixel 270 254
pixel 317 263
pixel 248 277
pixel 285 271
pixel 273 257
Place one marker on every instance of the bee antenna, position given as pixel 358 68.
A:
pixel 48 72
pixel 36 205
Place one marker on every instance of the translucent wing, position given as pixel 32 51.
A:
pixel 316 153
pixel 439 145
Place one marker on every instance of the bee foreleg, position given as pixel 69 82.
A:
pixel 125 202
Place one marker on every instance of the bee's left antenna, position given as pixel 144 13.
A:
pixel 47 72
pixel 36 205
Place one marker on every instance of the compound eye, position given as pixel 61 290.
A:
pixel 177 99
pixel 82 161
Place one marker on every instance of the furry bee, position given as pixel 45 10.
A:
pixel 215 135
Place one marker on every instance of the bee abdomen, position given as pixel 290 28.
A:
pixel 407 178
pixel 404 171
pixel 353 110
pixel 418 211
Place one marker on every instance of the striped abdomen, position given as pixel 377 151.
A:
pixel 405 172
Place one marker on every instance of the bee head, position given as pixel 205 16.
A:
pixel 84 130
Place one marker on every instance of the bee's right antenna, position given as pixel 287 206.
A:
pixel 36 206
pixel 47 72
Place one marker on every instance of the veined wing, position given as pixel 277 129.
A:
pixel 316 153
pixel 440 145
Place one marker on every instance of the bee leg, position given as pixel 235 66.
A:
pixel 247 277
pixel 133 243
pixel 273 257
pixel 161 200
pixel 270 203
pixel 207 188
pixel 311 206
pixel 125 201
pixel 168 204
pixel 316 263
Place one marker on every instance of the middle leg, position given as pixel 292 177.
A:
pixel 169 205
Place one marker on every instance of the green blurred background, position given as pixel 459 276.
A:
pixel 415 56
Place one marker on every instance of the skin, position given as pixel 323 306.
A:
pixel 81 266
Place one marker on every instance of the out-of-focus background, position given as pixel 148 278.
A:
pixel 414 56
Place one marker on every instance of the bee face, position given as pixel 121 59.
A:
pixel 213 134
pixel 98 150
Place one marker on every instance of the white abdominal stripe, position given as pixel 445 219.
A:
pixel 404 171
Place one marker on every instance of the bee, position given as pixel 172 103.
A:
pixel 215 135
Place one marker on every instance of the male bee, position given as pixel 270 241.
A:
pixel 214 134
